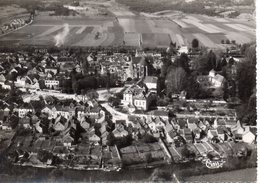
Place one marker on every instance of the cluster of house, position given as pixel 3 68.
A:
pixel 124 66
pixel 16 23
pixel 197 126
pixel 41 70
pixel 139 96
pixel 71 121
pixel 43 152
pixel 212 80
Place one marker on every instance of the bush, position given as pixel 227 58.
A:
pixel 147 138
pixel 160 175
pixel 227 41
pixel 195 43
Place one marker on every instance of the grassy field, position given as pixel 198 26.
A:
pixel 133 30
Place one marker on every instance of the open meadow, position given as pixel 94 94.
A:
pixel 135 30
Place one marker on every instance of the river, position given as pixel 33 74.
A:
pixel 244 175
pixel 29 174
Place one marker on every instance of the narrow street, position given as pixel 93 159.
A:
pixel 115 114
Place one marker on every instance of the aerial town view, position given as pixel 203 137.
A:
pixel 128 91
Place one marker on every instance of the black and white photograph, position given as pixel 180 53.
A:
pixel 128 91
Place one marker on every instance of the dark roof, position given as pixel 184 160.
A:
pixel 160 113
pixel 172 133
pixel 193 120
pixel 253 130
pixel 182 123
pixel 1 115
pixel 214 133
pixel 150 79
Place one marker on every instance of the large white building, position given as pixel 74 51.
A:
pixel 151 83
pixel 52 83
pixel 137 97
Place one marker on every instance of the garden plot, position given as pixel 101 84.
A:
pixel 246 28
pixel 81 30
pixel 132 39
pixel 79 37
pixel 148 40
pixel 222 20
pixel 142 26
pixel 109 39
pixel 205 40
pixel 180 23
pixel 208 29
pixel 180 40
pixel 238 27
pixel 127 24
pixel 51 30
pixel 118 34
pixel 153 27
pixel 171 35
pixel 155 40
pixel 162 40
pixel 238 37
pixel 192 18
pixel 217 38
pixel 33 30
pixel 214 27
pixel 90 40
pixel 202 149
pixel 119 13
pixel 170 30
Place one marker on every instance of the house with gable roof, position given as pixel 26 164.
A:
pixel 186 133
pixel 119 131
pixel 156 124
pixel 151 83
pixel 25 122
pixel 249 135
pixel 170 132
pixel 94 138
pixel 137 97
pixel 24 109
pixel 60 123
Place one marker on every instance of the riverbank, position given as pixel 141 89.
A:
pixel 243 175
pixel 184 172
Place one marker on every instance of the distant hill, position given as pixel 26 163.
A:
pixel 207 7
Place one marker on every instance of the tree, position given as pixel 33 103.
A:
pixel 92 94
pixel 246 77
pixel 124 141
pixel 183 61
pixel 227 41
pixel 194 90
pixel 147 138
pixel 250 54
pixel 160 175
pixel 166 64
pixel 43 155
pixel 111 140
pixel 201 64
pixel 212 60
pixel 75 87
pixel 195 43
pixel 175 79
pixel 114 101
pixel 188 153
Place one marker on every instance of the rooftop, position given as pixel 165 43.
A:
pixel 150 79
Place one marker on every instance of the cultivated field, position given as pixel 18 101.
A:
pixel 128 29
